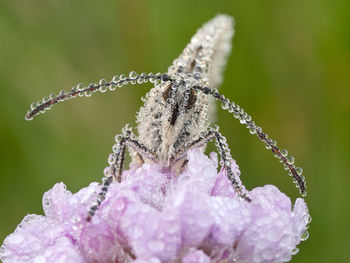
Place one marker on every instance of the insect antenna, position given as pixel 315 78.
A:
pixel 245 119
pixel 80 90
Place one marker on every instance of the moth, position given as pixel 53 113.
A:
pixel 175 114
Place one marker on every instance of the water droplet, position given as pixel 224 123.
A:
pixel 284 152
pixel 107 171
pixel 80 86
pixel 304 235
pixel 197 75
pixel 132 75
pixel 118 138
pixel 299 170
pixel 252 130
pixel 143 75
pixel 151 77
pixel 111 159
pixel 115 148
pixel 169 101
pixel 33 106
pixel 307 218
pixel 157 75
pixel 290 159
pixel 242 121
pixel 62 93
pixel 112 87
pixel 122 77
pixel 103 89
pixel 295 251
pixel 224 105
pixel 115 79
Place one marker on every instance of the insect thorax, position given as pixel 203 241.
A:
pixel 166 126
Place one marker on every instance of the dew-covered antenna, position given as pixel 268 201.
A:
pixel 80 90
pixel 245 119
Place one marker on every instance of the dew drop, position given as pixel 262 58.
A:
pixel 103 89
pixel 115 79
pixel 290 159
pixel 307 218
pixel 284 152
pixel 122 77
pixel 62 93
pixel 295 251
pixel 224 105
pixel 299 170
pixel 112 87
pixel 242 121
pixel 132 75
pixel 151 77
pixel 236 114
pixel 252 130
pixel 115 148
pixel 304 235
pixel 111 159
pixel 80 86
pixel 33 106
pixel 143 75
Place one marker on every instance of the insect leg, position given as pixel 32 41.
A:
pixel 225 156
pixel 116 161
pixel 245 119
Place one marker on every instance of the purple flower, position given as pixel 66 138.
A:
pixel 154 216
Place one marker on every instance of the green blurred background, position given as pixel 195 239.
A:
pixel 290 69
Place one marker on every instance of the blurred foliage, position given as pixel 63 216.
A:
pixel 290 69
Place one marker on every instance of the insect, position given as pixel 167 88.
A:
pixel 175 114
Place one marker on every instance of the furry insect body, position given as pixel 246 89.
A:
pixel 176 111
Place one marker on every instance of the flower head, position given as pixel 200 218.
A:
pixel 155 216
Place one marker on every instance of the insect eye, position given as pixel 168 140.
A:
pixel 191 99
pixel 167 93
